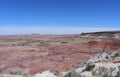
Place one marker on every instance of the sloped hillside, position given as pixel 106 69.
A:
pixel 100 65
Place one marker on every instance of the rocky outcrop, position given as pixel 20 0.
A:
pixel 101 65
pixel 45 74
pixel 50 73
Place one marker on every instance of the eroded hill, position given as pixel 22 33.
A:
pixel 35 53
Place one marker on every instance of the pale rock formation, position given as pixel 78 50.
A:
pixel 50 73
pixel 101 65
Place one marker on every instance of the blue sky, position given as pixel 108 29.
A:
pixel 58 16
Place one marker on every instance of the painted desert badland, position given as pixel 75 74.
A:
pixel 35 53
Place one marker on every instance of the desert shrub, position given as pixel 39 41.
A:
pixel 18 72
pixel 43 43
pixel 105 72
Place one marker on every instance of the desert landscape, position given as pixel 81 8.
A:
pixel 35 53
pixel 59 38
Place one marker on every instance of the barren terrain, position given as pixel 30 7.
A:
pixel 34 53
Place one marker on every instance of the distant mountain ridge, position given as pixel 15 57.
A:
pixel 101 32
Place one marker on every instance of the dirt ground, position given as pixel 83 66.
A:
pixel 35 53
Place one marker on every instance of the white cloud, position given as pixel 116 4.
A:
pixel 49 30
